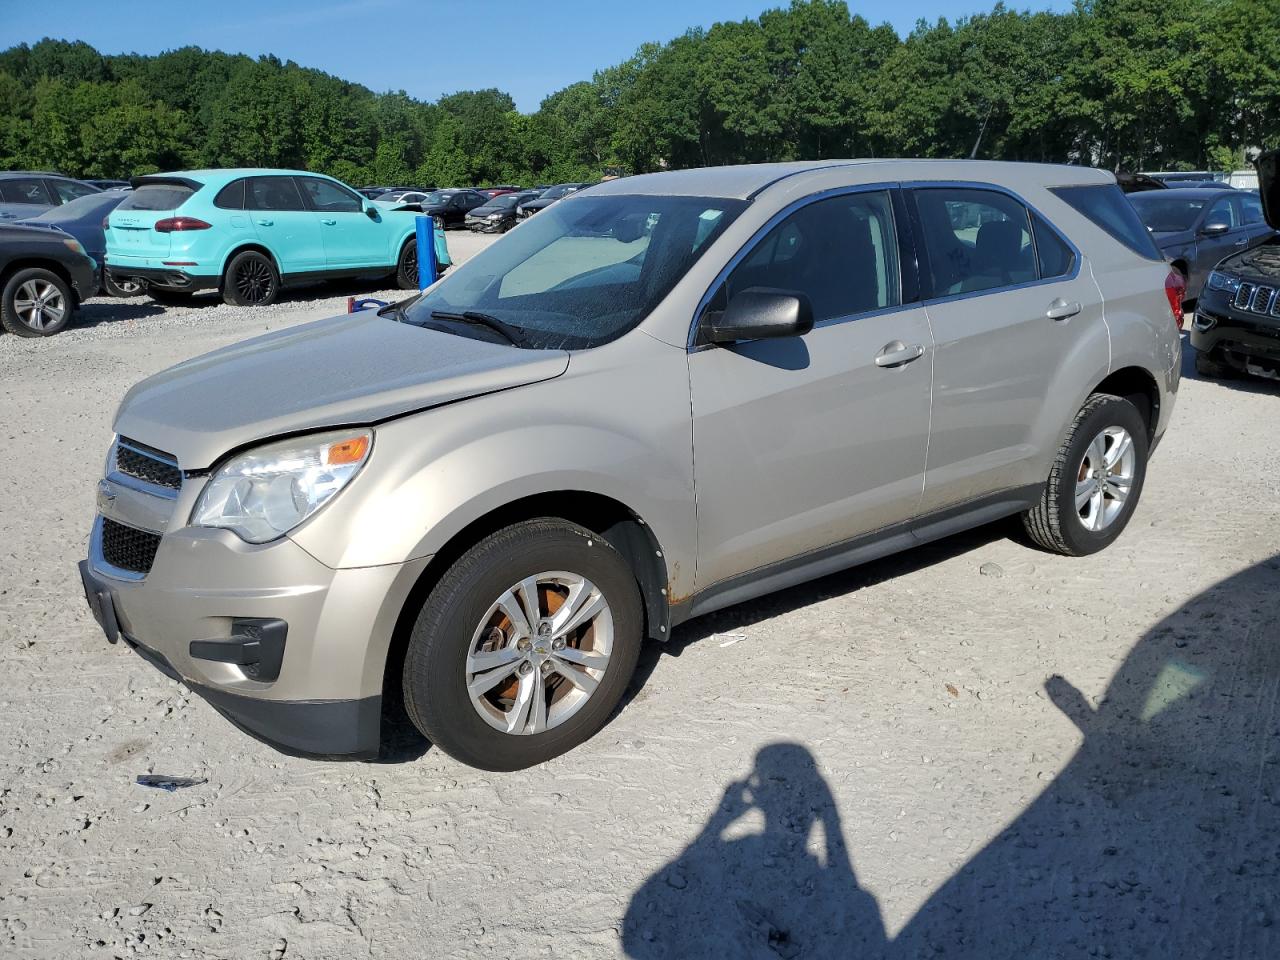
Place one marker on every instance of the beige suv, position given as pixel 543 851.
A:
pixel 663 395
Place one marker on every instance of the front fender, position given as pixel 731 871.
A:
pixel 617 424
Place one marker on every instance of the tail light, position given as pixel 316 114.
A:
pixel 1175 288
pixel 179 224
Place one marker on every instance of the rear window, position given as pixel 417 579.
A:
pixel 1110 210
pixel 157 196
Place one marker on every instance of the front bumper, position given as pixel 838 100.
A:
pixel 487 226
pixel 1232 336
pixel 327 698
pixel 172 278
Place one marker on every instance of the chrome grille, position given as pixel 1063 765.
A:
pixel 1262 299
pixel 128 548
pixel 147 463
pixel 1244 296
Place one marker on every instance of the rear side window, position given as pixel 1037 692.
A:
pixel 24 190
pixel 841 252
pixel 230 197
pixel 975 240
pixel 1107 207
pixel 68 190
pixel 1252 209
pixel 1053 256
pixel 273 193
pixel 157 196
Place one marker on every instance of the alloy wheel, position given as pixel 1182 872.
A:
pixel 539 653
pixel 39 304
pixel 254 282
pixel 1105 478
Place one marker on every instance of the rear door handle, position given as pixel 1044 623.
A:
pixel 265 223
pixel 329 222
pixel 898 354
pixel 1063 310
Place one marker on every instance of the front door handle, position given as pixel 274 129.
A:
pixel 1063 310
pixel 1243 241
pixel 265 223
pixel 898 354
pixel 329 223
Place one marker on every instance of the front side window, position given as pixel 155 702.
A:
pixel 581 273
pixel 1222 211
pixel 68 190
pixel 974 240
pixel 841 253
pixel 273 193
pixel 24 190
pixel 328 197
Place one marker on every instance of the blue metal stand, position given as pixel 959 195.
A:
pixel 426 252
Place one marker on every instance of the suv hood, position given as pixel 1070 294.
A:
pixel 348 370
pixel 1260 264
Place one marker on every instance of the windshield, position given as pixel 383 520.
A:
pixel 555 193
pixel 1169 214
pixel 436 196
pixel 581 273
pixel 504 201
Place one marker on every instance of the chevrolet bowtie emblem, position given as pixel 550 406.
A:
pixel 106 495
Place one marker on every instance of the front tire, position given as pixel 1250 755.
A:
pixel 524 647
pixel 1095 481
pixel 36 303
pixel 407 266
pixel 250 280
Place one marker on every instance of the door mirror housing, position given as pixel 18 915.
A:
pixel 371 212
pixel 761 313
pixel 1215 229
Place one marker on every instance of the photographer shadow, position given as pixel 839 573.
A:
pixel 1159 838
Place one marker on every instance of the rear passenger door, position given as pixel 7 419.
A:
pixel 351 238
pixel 284 224
pixel 1010 309
pixel 804 442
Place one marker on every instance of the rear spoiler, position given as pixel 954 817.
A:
pixel 1268 167
pixel 161 179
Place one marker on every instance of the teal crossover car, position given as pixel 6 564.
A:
pixel 251 233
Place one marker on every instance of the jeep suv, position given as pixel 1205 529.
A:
pixel 660 397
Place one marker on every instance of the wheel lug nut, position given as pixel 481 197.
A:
pixel 523 645
pixel 546 667
pixel 557 643
pixel 526 668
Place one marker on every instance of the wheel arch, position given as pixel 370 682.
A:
pixel 53 266
pixel 613 520
pixel 1139 387
pixel 240 248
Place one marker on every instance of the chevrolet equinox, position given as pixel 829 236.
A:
pixel 664 395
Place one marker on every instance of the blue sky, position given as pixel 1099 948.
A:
pixel 427 48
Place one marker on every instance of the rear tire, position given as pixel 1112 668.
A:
pixel 36 303
pixel 466 619
pixel 250 280
pixel 1095 482
pixel 1211 369
pixel 129 288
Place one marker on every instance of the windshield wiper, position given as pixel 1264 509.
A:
pixel 508 331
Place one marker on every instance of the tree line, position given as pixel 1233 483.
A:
pixel 1122 84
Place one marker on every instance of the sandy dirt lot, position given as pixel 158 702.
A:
pixel 971 750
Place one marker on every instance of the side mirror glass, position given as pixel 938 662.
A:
pixel 761 313
pixel 371 212
pixel 1215 229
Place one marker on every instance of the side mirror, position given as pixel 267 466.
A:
pixel 761 313
pixel 1215 229
pixel 371 213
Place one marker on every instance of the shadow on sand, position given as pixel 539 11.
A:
pixel 1160 838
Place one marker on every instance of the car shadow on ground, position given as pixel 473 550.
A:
pixel 104 310
pixel 1245 382
pixel 743 616
pixel 1160 837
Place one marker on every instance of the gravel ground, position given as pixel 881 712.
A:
pixel 973 749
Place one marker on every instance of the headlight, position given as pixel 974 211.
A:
pixel 265 493
pixel 1223 281
pixel 495 216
